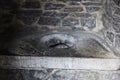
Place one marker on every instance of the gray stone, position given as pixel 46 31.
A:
pixel 106 22
pixel 92 9
pixel 117 2
pixel 49 74
pixel 28 16
pixel 110 36
pixel 116 18
pixel 108 9
pixel 51 6
pixel 91 0
pixel 49 21
pixel 92 4
pixel 117 11
pixel 74 2
pixel 85 15
pixel 70 22
pixel 55 14
pixel 117 41
pixel 116 27
pixel 88 22
pixel 35 63
pixel 31 4
pixel 47 0
pixel 73 9
pixel 89 45
pixel 24 74
pixel 69 0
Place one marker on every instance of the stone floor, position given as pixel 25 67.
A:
pixel 55 74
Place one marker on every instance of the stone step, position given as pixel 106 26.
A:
pixel 27 62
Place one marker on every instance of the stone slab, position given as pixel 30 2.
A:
pixel 27 62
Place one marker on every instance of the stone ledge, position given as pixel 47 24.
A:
pixel 34 63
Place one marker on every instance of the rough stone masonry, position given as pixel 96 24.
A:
pixel 62 28
pixel 25 23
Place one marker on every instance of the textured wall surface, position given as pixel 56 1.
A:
pixel 70 28
pixel 63 28
pixel 50 74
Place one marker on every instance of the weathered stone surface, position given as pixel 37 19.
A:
pixel 117 11
pixel 91 0
pixel 112 11
pixel 92 9
pixel 49 21
pixel 50 74
pixel 69 0
pixel 108 9
pixel 51 6
pixel 116 18
pixel 55 14
pixel 116 27
pixel 70 22
pixel 73 9
pixel 24 74
pixel 85 15
pixel 47 0
pixel 31 4
pixel 83 45
pixel 74 2
pixel 110 36
pixel 106 22
pixel 117 2
pixel 28 62
pixel 117 41
pixel 92 4
pixel 28 16
pixel 88 22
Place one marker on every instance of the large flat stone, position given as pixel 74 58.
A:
pixel 22 62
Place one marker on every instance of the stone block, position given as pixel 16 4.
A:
pixel 117 11
pixel 110 36
pixel 49 21
pixel 70 22
pixel 52 6
pixel 74 3
pixel 88 22
pixel 117 41
pixel 92 9
pixel 34 63
pixel 69 0
pixel 73 9
pixel 84 15
pixel 55 14
pixel 31 4
pixel 116 27
pixel 92 4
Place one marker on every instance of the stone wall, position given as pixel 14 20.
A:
pixel 34 17
pixel 23 18
pixel 56 74
pixel 81 14
pixel 111 19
